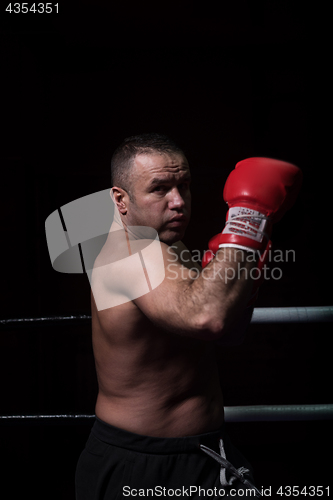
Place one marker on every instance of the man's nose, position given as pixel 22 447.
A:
pixel 176 200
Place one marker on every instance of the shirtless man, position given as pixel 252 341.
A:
pixel 160 401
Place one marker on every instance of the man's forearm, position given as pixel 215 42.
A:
pixel 220 294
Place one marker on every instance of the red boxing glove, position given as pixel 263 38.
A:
pixel 207 257
pixel 258 192
pixel 213 246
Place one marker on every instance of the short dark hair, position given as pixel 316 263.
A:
pixel 124 156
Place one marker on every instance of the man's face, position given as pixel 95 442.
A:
pixel 161 195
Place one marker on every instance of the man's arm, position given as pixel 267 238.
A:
pixel 206 304
pixel 258 192
pixel 202 305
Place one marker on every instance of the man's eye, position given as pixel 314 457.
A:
pixel 160 188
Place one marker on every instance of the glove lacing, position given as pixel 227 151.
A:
pixel 237 220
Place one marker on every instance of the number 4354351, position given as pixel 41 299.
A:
pixel 311 491
pixel 36 8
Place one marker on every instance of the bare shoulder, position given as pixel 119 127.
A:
pixel 150 277
pixel 127 269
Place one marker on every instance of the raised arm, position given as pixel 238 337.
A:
pixel 207 303
pixel 258 192
pixel 200 304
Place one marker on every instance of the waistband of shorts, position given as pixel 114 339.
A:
pixel 158 445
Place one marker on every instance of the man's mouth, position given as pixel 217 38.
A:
pixel 177 220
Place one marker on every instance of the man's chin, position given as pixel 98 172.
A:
pixel 171 236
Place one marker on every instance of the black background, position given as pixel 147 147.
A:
pixel 227 82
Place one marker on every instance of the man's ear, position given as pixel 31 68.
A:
pixel 120 199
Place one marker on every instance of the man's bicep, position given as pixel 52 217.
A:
pixel 150 277
pixel 164 303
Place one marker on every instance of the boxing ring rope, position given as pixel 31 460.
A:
pixel 292 315
pixel 269 315
pixel 258 413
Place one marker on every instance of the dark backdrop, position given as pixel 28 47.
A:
pixel 244 79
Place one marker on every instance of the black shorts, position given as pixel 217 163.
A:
pixel 118 464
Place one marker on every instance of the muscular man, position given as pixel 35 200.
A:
pixel 160 407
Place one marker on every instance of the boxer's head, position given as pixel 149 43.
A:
pixel 151 178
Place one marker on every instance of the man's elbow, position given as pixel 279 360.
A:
pixel 209 327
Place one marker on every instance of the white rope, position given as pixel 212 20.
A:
pixel 260 413
pixel 278 413
pixel 292 315
pixel 260 315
